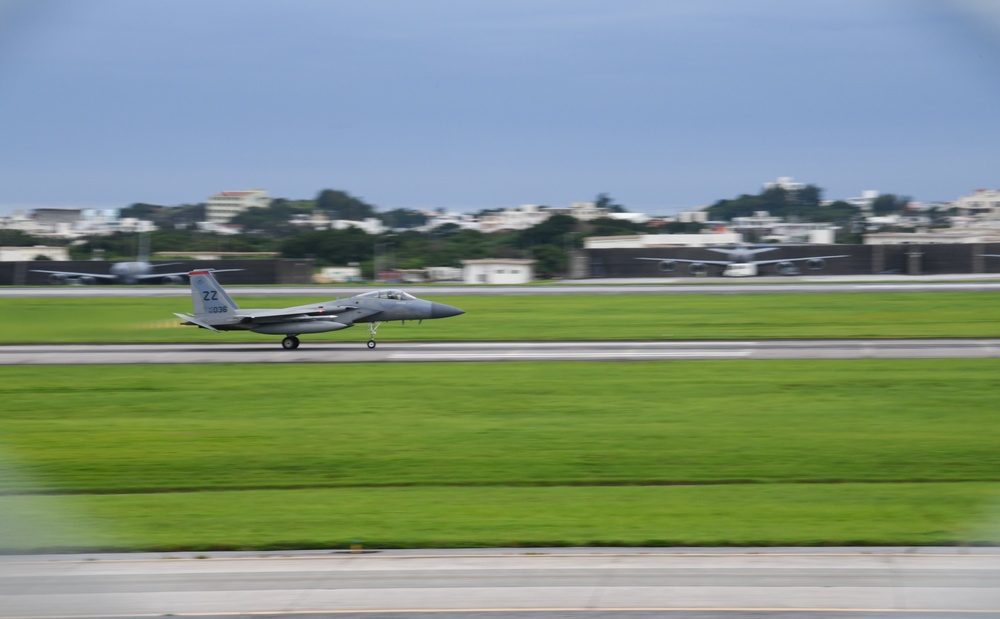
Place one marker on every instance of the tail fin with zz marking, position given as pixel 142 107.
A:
pixel 213 308
pixel 209 298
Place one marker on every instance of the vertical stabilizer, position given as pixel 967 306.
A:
pixel 209 299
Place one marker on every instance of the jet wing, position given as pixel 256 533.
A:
pixel 720 263
pixel 101 276
pixel 142 278
pixel 347 314
pixel 798 259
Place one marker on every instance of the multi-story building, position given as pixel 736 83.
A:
pixel 223 206
pixel 785 182
pixel 520 218
pixel 982 202
pixel 584 211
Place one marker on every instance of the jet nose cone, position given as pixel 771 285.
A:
pixel 440 310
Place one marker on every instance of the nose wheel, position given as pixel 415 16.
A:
pixel 290 342
pixel 372 328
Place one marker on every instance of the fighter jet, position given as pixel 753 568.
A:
pixel 215 310
pixel 139 271
pixel 740 262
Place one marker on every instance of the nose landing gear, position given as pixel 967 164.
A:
pixel 372 328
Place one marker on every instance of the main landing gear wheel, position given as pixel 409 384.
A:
pixel 290 342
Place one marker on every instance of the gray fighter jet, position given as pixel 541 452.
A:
pixel 215 310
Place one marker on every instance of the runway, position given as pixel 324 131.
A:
pixel 692 583
pixel 411 352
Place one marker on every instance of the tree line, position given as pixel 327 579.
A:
pixel 549 243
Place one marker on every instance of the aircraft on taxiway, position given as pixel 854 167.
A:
pixel 740 262
pixel 215 310
pixel 139 271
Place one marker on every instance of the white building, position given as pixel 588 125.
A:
pixel 641 241
pixel 223 206
pixel 769 229
pixel 865 202
pixel 27 254
pixel 529 215
pixel 371 225
pixel 464 221
pixel 692 217
pixel 785 182
pixel 339 275
pixel 520 218
pixel 584 211
pixel 982 203
pixel 444 274
pixel 498 271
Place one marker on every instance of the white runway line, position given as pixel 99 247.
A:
pixel 611 354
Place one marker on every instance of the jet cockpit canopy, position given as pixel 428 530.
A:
pixel 396 295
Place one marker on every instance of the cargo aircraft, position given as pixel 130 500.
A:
pixel 215 310
pixel 139 271
pixel 740 262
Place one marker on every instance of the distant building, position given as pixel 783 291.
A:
pixel 688 217
pixel 339 275
pixel 55 216
pixel 520 218
pixel 584 211
pixel 530 215
pixel 27 254
pixel 764 227
pixel 222 207
pixel 866 200
pixel 371 225
pixel 444 274
pixel 982 203
pixel 641 241
pixel 785 182
pixel 498 271
pixel 464 221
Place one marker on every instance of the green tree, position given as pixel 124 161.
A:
pixel 142 210
pixel 18 238
pixel 330 247
pixel 551 261
pixel 403 218
pixel 801 205
pixel 889 204
pixel 604 201
pixel 273 220
pixel 552 231
pixel 605 226
pixel 340 205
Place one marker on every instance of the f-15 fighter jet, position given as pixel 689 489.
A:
pixel 215 310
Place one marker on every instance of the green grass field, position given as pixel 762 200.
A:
pixel 555 317
pixel 512 454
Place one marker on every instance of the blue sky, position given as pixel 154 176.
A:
pixel 663 104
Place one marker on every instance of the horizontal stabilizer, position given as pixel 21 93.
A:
pixel 191 320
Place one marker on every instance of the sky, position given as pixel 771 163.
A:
pixel 664 105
